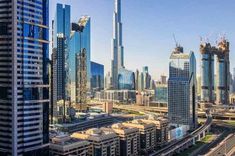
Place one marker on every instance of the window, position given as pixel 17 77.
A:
pixel 3 28
pixel 3 92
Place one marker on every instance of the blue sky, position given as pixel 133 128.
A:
pixel 149 25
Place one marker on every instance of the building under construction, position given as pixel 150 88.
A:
pixel 208 86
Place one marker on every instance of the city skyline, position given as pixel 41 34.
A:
pixel 163 24
pixel 117 78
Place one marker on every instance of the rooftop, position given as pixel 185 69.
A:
pixel 65 142
pixel 97 134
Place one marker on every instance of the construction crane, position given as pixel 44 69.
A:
pixel 176 43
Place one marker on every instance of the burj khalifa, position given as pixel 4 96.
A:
pixel 117 48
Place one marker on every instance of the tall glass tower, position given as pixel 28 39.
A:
pixel 60 37
pixel 97 76
pixel 223 73
pixel 182 89
pixel 207 72
pixel 117 48
pixel 79 39
pixel 24 84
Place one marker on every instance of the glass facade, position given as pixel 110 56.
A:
pixel 126 79
pixel 79 39
pixel 24 79
pixel 207 72
pixel 97 76
pixel 161 93
pixel 222 81
pixel 208 77
pixel 117 47
pixel 60 42
pixel 182 89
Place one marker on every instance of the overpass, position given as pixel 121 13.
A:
pixel 187 141
pixel 164 111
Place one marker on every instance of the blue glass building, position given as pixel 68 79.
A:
pixel 117 61
pixel 97 76
pixel 161 93
pixel 60 42
pixel 126 79
pixel 182 89
pixel 207 74
pixel 24 96
pixel 79 39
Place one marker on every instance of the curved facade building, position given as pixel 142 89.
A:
pixel 126 79
pixel 24 96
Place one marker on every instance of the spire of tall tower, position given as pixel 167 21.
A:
pixel 118 9
pixel 117 48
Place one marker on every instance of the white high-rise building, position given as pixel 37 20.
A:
pixel 117 48
pixel 182 89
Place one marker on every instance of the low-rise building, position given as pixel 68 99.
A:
pixel 161 129
pixel 108 107
pixel 129 139
pixel 118 96
pixel 64 145
pixel 232 98
pixel 147 135
pixel 104 142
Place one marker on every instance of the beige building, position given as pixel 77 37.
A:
pixel 108 107
pixel 147 135
pixel 143 98
pixel 129 139
pixel 232 98
pixel 104 142
pixel 161 129
pixel 67 146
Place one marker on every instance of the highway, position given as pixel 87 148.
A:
pixel 188 138
pixel 164 111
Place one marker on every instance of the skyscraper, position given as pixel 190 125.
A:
pixel 24 83
pixel 79 39
pixel 117 48
pixel 81 80
pixel 126 79
pixel 146 78
pixel 182 89
pixel 222 72
pixel 60 37
pixel 108 80
pixel 233 80
pixel 207 72
pixel 137 79
pixel 97 76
